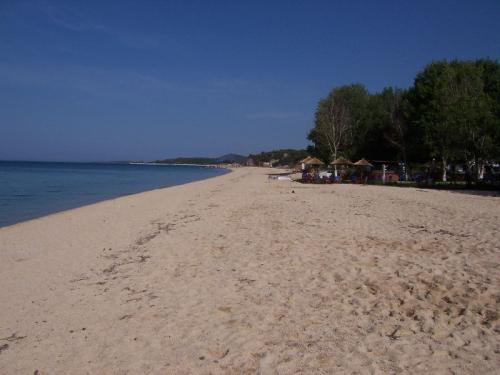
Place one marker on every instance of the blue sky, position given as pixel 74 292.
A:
pixel 122 80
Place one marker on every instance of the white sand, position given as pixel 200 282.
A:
pixel 238 275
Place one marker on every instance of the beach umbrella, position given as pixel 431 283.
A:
pixel 313 161
pixel 306 160
pixel 363 163
pixel 341 161
pixel 303 162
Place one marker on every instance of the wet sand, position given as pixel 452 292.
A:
pixel 242 275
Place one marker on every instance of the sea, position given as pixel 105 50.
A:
pixel 32 189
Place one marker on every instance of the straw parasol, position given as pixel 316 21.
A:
pixel 313 161
pixel 363 163
pixel 306 160
pixel 341 161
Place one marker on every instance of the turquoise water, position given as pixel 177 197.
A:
pixel 33 189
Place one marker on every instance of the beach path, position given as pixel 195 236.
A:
pixel 240 274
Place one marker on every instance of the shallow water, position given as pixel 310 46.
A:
pixel 33 189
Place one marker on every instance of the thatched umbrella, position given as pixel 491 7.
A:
pixel 314 161
pixel 306 160
pixel 310 161
pixel 363 163
pixel 341 161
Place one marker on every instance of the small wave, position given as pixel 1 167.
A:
pixel 23 195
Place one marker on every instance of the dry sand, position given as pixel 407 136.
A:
pixel 241 275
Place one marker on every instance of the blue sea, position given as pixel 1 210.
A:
pixel 33 189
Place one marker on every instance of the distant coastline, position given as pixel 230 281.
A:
pixel 179 164
pixel 202 161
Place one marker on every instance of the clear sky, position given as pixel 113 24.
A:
pixel 122 80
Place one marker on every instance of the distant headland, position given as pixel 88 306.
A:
pixel 282 157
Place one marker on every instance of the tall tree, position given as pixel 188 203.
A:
pixel 468 107
pixel 428 96
pixel 382 134
pixel 490 75
pixel 396 134
pixel 451 106
pixel 336 119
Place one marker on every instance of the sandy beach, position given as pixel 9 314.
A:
pixel 240 274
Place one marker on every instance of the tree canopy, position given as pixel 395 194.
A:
pixel 451 113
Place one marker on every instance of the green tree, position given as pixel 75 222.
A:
pixel 336 120
pixel 452 113
pixel 490 75
pixel 470 109
pixel 428 97
pixel 455 113
pixel 382 133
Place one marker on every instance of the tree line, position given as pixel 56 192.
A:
pixel 289 157
pixel 451 114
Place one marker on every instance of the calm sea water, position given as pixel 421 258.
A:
pixel 33 189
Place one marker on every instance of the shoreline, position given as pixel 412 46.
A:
pixel 243 274
pixel 227 171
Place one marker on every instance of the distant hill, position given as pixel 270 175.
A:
pixel 283 157
pixel 229 158
pixel 232 158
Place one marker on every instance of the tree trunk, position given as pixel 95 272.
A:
pixel 405 164
pixel 480 171
pixel 469 172
pixel 444 169
pixel 335 167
